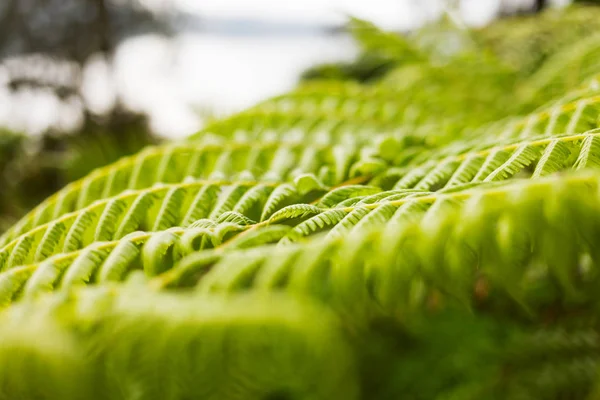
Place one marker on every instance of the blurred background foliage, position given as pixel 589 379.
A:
pixel 44 47
pixel 46 44
pixel 459 78
pixel 523 41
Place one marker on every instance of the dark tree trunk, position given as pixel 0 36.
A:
pixel 539 5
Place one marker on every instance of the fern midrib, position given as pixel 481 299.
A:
pixel 535 143
pixel 508 147
pixel 431 198
pixel 135 194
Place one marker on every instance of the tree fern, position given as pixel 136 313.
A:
pixel 431 234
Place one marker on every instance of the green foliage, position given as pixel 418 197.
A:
pixel 124 344
pixel 32 168
pixel 528 41
pixel 430 235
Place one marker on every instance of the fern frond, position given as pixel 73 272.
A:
pixel 315 123
pixel 534 208
pixel 280 197
pixel 324 108
pixel 553 159
pixel 258 237
pixel 290 224
pixel 106 227
pixel 174 163
pixel 527 42
pixel 392 45
pixel 267 346
pixel 12 282
pixel 589 156
pixel 82 266
pixel 202 204
pixel 111 219
pixel 565 70
pixel 117 264
pixel 49 242
pixel 338 195
pixel 522 157
pixel 154 209
pixel 323 220
pixel 376 207
pixel 471 162
pixel 569 117
pixel 295 211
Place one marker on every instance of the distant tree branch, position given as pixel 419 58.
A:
pixel 103 23
pixel 539 5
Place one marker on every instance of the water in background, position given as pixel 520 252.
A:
pixel 216 73
pixel 219 69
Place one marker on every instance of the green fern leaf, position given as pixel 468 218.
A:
pixel 520 159
pixel 11 282
pixel 107 224
pixel 258 237
pixel 49 241
pixel 295 211
pixel 235 217
pixel 349 221
pixel 340 194
pixel 169 213
pixel 119 261
pixel 553 159
pixel 44 279
pixel 316 223
pixel 589 156
pixel 84 266
pixel 20 253
pixel 201 205
pixel 159 251
pixel 74 239
pixel 280 197
pixel 134 218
